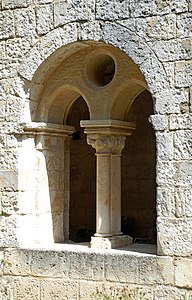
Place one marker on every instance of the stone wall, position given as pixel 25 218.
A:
pixel 156 35
pixel 76 273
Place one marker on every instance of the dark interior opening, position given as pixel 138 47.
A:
pixel 138 174
pixel 82 178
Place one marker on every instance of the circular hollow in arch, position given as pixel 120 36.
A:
pixel 101 69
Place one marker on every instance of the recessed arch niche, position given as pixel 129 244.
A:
pixel 97 83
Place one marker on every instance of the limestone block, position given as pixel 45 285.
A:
pixel 91 30
pixel 44 19
pixel 165 202
pixel 172 50
pixel 49 263
pixel 25 22
pixel 8 232
pixel 174 236
pixel 180 199
pixel 16 103
pixel 182 144
pixel 2 50
pixel 183 176
pixel 59 289
pixel 8 180
pixel 184 31
pixel 180 121
pixel 177 6
pixel 159 122
pixel 8 159
pixel 6 288
pixel 8 4
pixel 87 288
pixel 188 203
pixel 170 293
pixel 155 270
pixel 26 288
pixel 2 111
pixel 6 25
pixel 17 262
pixel 160 28
pixel 121 267
pixel 87 266
pixel 8 69
pixel 165 173
pixel 170 72
pixel 111 10
pixel 9 202
pixel 183 74
pixel 171 101
pixel 17 47
pixel 142 8
pixel 164 143
pixel 69 11
pixel 183 274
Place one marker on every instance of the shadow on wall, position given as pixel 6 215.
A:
pixel 138 174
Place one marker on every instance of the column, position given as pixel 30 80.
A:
pixel 108 138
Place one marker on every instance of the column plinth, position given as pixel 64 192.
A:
pixel 108 138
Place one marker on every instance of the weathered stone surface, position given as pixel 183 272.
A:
pixel 44 19
pixel 116 268
pixel 17 48
pixel 183 76
pixel 182 145
pixel 178 173
pixel 110 10
pixel 8 180
pixel 159 122
pixel 155 270
pixel 165 202
pixel 6 25
pixel 160 28
pixel 28 288
pixel 6 288
pixel 8 231
pixel 17 262
pixel 8 4
pixel 174 236
pixel 180 121
pixel 59 289
pixel 164 146
pixel 25 22
pixel 170 293
pixel 51 263
pixel 183 275
pixel 173 49
pixel 184 31
pixel 70 11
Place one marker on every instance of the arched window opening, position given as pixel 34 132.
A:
pixel 138 175
pixel 82 178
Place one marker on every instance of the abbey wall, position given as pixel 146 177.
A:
pixel 95 148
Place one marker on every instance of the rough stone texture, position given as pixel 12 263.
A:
pixel 183 276
pixel 156 35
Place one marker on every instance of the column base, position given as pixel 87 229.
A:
pixel 113 242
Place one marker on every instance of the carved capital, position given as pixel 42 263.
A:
pixel 106 144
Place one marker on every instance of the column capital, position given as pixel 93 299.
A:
pixel 107 136
pixel 106 144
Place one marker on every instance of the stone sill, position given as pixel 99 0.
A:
pixel 133 249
